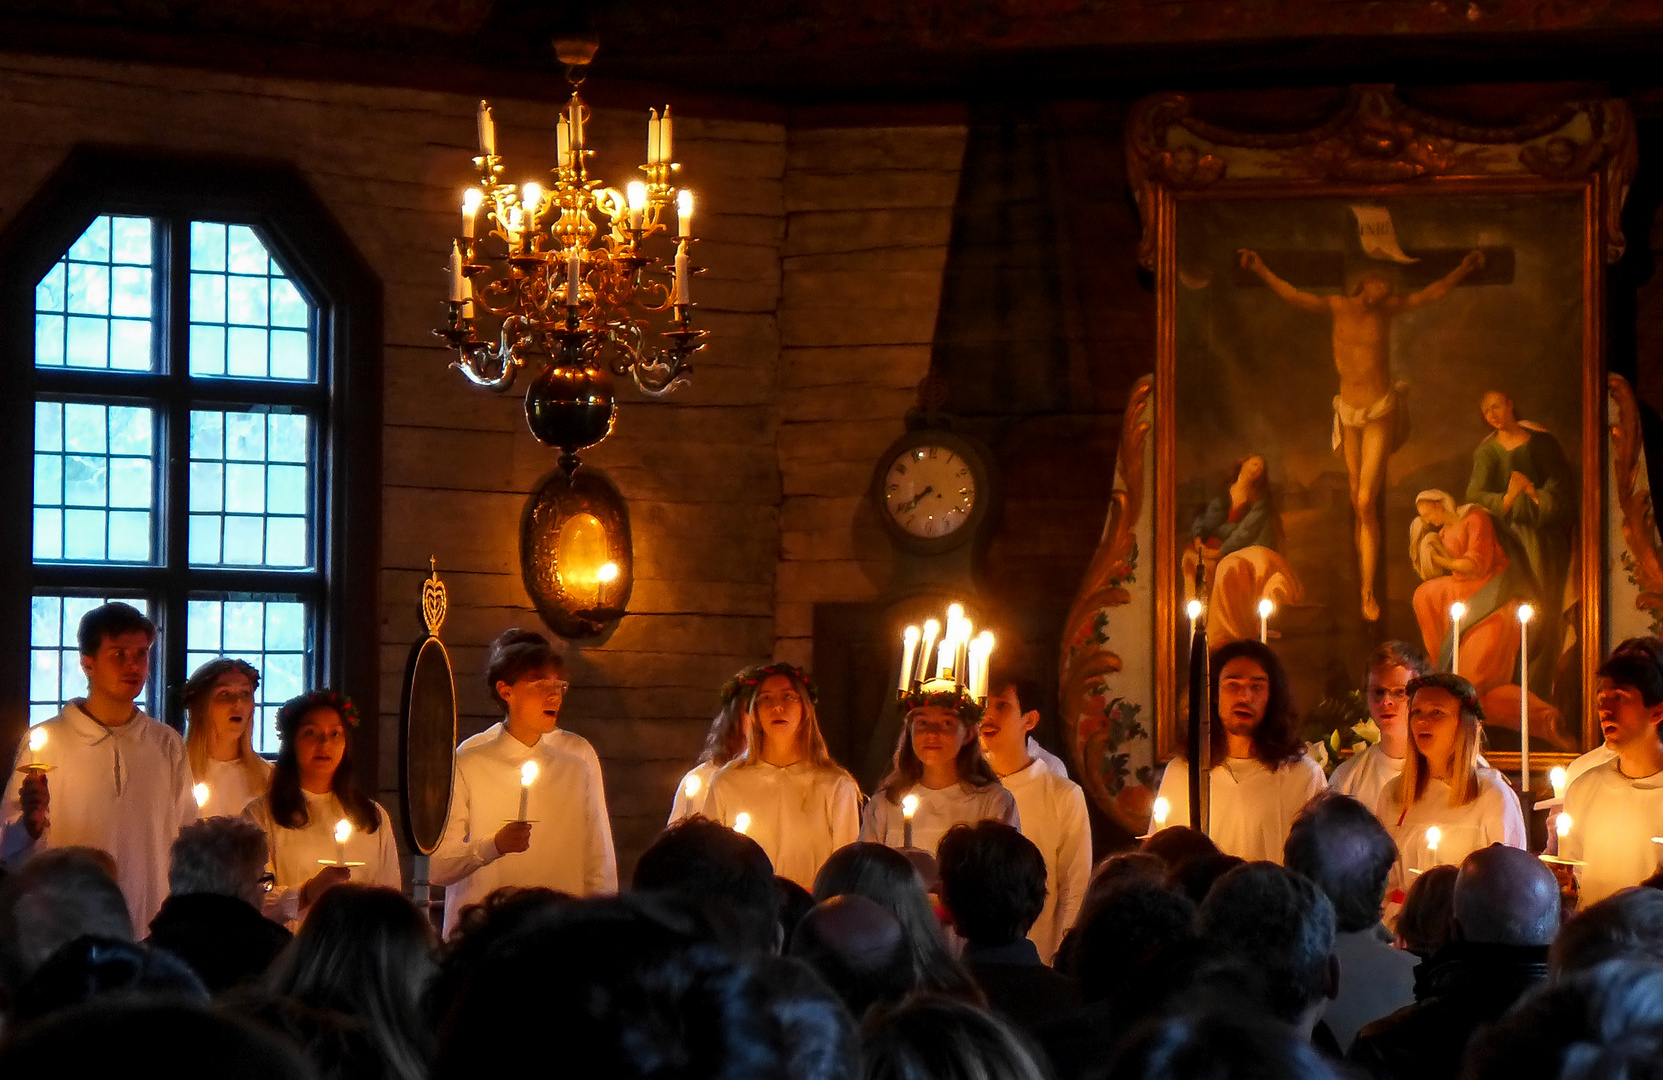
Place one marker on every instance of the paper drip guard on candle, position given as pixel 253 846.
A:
pixel 37 743
pixel 1563 828
pixel 1556 779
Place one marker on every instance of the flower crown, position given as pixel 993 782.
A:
pixel 1453 684
pixel 952 699
pixel 208 674
pixel 745 684
pixel 288 716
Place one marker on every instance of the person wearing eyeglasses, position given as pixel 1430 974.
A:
pixel 1367 773
pixel 784 790
pixel 563 840
pixel 219 735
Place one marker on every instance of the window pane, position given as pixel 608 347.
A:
pixel 238 293
pixel 251 481
pixel 272 633
pixel 91 459
pixel 55 675
pixel 103 284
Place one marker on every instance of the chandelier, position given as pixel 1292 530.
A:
pixel 565 268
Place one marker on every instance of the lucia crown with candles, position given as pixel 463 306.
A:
pixel 947 669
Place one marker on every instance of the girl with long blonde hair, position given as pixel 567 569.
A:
pixel 1448 803
pixel 219 735
pixel 784 790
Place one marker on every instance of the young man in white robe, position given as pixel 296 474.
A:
pixel 1616 808
pixel 112 778
pixel 1363 776
pixel 560 842
pixel 1052 808
pixel 1262 777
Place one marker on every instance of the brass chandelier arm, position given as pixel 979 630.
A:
pixel 493 368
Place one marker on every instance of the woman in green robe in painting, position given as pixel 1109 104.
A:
pixel 1521 476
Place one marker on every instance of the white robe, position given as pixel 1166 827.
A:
pixel 1613 820
pixel 231 788
pixel 1251 808
pixel 1052 761
pixel 568 849
pixel 1593 759
pixel 1053 812
pixel 1364 776
pixel 125 790
pixel 569 743
pixel 1491 818
pixel 297 855
pixel 692 792
pixel 800 814
pixel 938 810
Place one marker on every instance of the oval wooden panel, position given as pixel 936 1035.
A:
pixel 429 745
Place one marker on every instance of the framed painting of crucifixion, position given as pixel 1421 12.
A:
pixel 1378 404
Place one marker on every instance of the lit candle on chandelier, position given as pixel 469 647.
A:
pixel 684 212
pixel 528 776
pixel 1457 611
pixel 1265 608
pixel 1526 612
pixel 471 200
pixel 531 197
pixel 652 137
pixel 909 807
pixel 664 141
pixel 461 289
pixel 909 652
pixel 200 794
pixel 683 295
pixel 343 833
pixel 577 132
pixel 637 193
pixel 487 131
pixel 562 144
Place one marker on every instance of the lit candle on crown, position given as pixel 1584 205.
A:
pixel 927 648
pixel 909 653
pixel 343 833
pixel 200 794
pixel 1457 611
pixel 909 807
pixel 528 776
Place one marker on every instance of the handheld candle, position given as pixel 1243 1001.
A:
pixel 528 776
pixel 1556 777
pixel 37 743
pixel 691 786
pixel 1564 826
pixel 1433 835
pixel 343 833
pixel 1161 809
pixel 200 794
pixel 909 807
pixel 741 823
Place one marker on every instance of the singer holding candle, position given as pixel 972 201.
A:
pixel 802 805
pixel 219 735
pixel 722 743
pixel 1365 775
pixel 1263 777
pixel 118 780
pixel 562 842
pixel 1616 808
pixel 314 786
pixel 1444 784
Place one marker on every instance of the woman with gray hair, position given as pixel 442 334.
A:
pixel 212 918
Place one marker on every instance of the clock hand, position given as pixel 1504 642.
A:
pixel 912 504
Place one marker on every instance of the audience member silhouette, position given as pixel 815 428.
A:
pixel 1423 924
pixel 57 896
pixel 858 948
pixel 707 863
pixel 91 967
pixel 1279 923
pixel 1600 1023
pixel 939 1038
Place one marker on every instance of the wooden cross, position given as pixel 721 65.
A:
pixel 1307 270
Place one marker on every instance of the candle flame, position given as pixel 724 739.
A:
pixel 607 572
pixel 1193 608
pixel 741 823
pixel 955 612
pixel 931 628
pixel 1457 610
pixel 1433 835
pixel 1162 809
pixel 1556 777
pixel 531 196
pixel 692 785
pixel 343 831
pixel 471 199
pixel 1564 825
pixel 637 193
pixel 684 202
pixel 528 773
pixel 911 635
pixel 200 793
pixel 1265 608
pixel 37 740
pixel 1526 613
pixel 909 806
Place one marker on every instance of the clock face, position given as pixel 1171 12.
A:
pixel 929 491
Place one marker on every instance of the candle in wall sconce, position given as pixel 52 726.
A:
pixel 200 794
pixel 909 652
pixel 741 823
pixel 343 833
pixel 528 776
pixel 909 807
pixel 1526 613
pixel 1266 606
pixel 1457 611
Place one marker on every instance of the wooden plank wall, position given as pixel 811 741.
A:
pixel 869 212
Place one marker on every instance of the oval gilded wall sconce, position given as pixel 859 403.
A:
pixel 576 556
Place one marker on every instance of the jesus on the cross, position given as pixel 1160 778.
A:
pixel 1365 410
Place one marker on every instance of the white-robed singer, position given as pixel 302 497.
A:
pixel 1366 774
pixel 219 736
pixel 1052 807
pixel 939 763
pixel 722 743
pixel 112 778
pixel 1263 776
pixel 1446 805
pixel 315 815
pixel 562 840
pixel 797 802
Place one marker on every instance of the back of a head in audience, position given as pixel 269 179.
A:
pixel 1504 896
pixel 1601 1023
pixel 939 1038
pixel 1110 875
pixel 1177 845
pixel 54 898
pixel 365 952
pixel 478 926
pixel 1281 924
pixel 885 876
pixel 1625 924
pixel 1216 1045
pixel 708 863
pixel 123 1036
pixel 858 948
pixel 992 882
pixel 1133 925
pixel 220 855
pixel 795 902
pixel 1198 876
pixel 631 986
pixel 92 967
pixel 1424 923
pixel 1340 845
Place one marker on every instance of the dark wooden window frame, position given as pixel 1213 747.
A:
pixel 301 233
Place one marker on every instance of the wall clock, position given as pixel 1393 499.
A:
pixel 933 490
